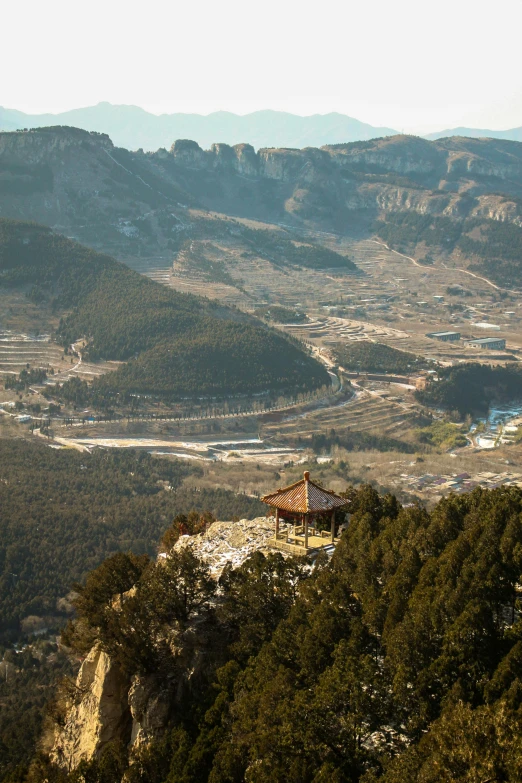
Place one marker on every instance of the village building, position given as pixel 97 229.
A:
pixel 446 337
pixel 490 343
pixel 301 505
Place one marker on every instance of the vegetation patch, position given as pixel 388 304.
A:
pixel 281 315
pixel 471 388
pixel 356 441
pixel 443 435
pixel 365 356
pixel 296 253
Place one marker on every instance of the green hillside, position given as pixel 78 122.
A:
pixel 472 387
pixel 493 247
pixel 63 512
pixel 177 345
pixel 366 356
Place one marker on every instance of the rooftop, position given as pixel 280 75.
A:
pixel 304 497
pixel 487 340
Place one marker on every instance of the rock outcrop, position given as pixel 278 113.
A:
pixel 230 542
pixel 99 712
pixel 79 183
pixel 46 144
pixel 107 705
pixel 149 707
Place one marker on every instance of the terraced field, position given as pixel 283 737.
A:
pixel 394 299
pixel 19 350
pixel 366 412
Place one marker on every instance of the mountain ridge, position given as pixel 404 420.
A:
pixel 512 134
pixel 137 205
pixel 133 127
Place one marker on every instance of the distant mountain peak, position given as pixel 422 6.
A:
pixel 133 127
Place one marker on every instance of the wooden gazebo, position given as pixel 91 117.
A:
pixel 304 501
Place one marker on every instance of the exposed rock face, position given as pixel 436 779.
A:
pixel 246 162
pixel 101 714
pixel 189 154
pixel 79 183
pixel 149 709
pixel 230 542
pixel 39 147
pixel 110 706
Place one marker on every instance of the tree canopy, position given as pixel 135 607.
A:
pixel 397 660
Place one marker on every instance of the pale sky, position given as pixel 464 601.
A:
pixel 407 64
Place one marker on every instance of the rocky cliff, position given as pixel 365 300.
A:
pixel 107 704
pixel 404 155
pixel 452 177
pixel 136 203
pixel 99 713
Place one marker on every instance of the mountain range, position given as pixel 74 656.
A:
pixel 133 127
pixel 81 183
pixel 513 134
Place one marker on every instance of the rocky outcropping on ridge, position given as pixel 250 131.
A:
pixel 108 706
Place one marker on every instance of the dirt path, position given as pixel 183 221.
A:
pixel 383 244
pixel 451 268
pixel 477 277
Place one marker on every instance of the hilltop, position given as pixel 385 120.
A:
pixel 399 656
pixel 173 345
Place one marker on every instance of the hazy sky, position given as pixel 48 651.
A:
pixel 407 64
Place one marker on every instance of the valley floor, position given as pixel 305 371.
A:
pixel 393 301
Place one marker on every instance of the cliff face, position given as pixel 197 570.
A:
pixel 133 203
pixel 403 155
pixel 57 176
pixel 48 144
pixel 100 715
pixel 108 705
pixel 453 177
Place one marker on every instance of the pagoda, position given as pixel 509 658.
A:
pixel 302 503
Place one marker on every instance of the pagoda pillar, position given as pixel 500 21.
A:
pixel 306 531
pixel 277 524
pixel 333 527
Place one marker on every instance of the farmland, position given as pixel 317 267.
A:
pixel 370 423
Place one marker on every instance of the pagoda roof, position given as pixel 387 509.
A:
pixel 304 497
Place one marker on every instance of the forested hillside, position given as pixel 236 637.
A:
pixel 398 660
pixel 178 345
pixel 471 388
pixel 63 512
pixel 494 247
